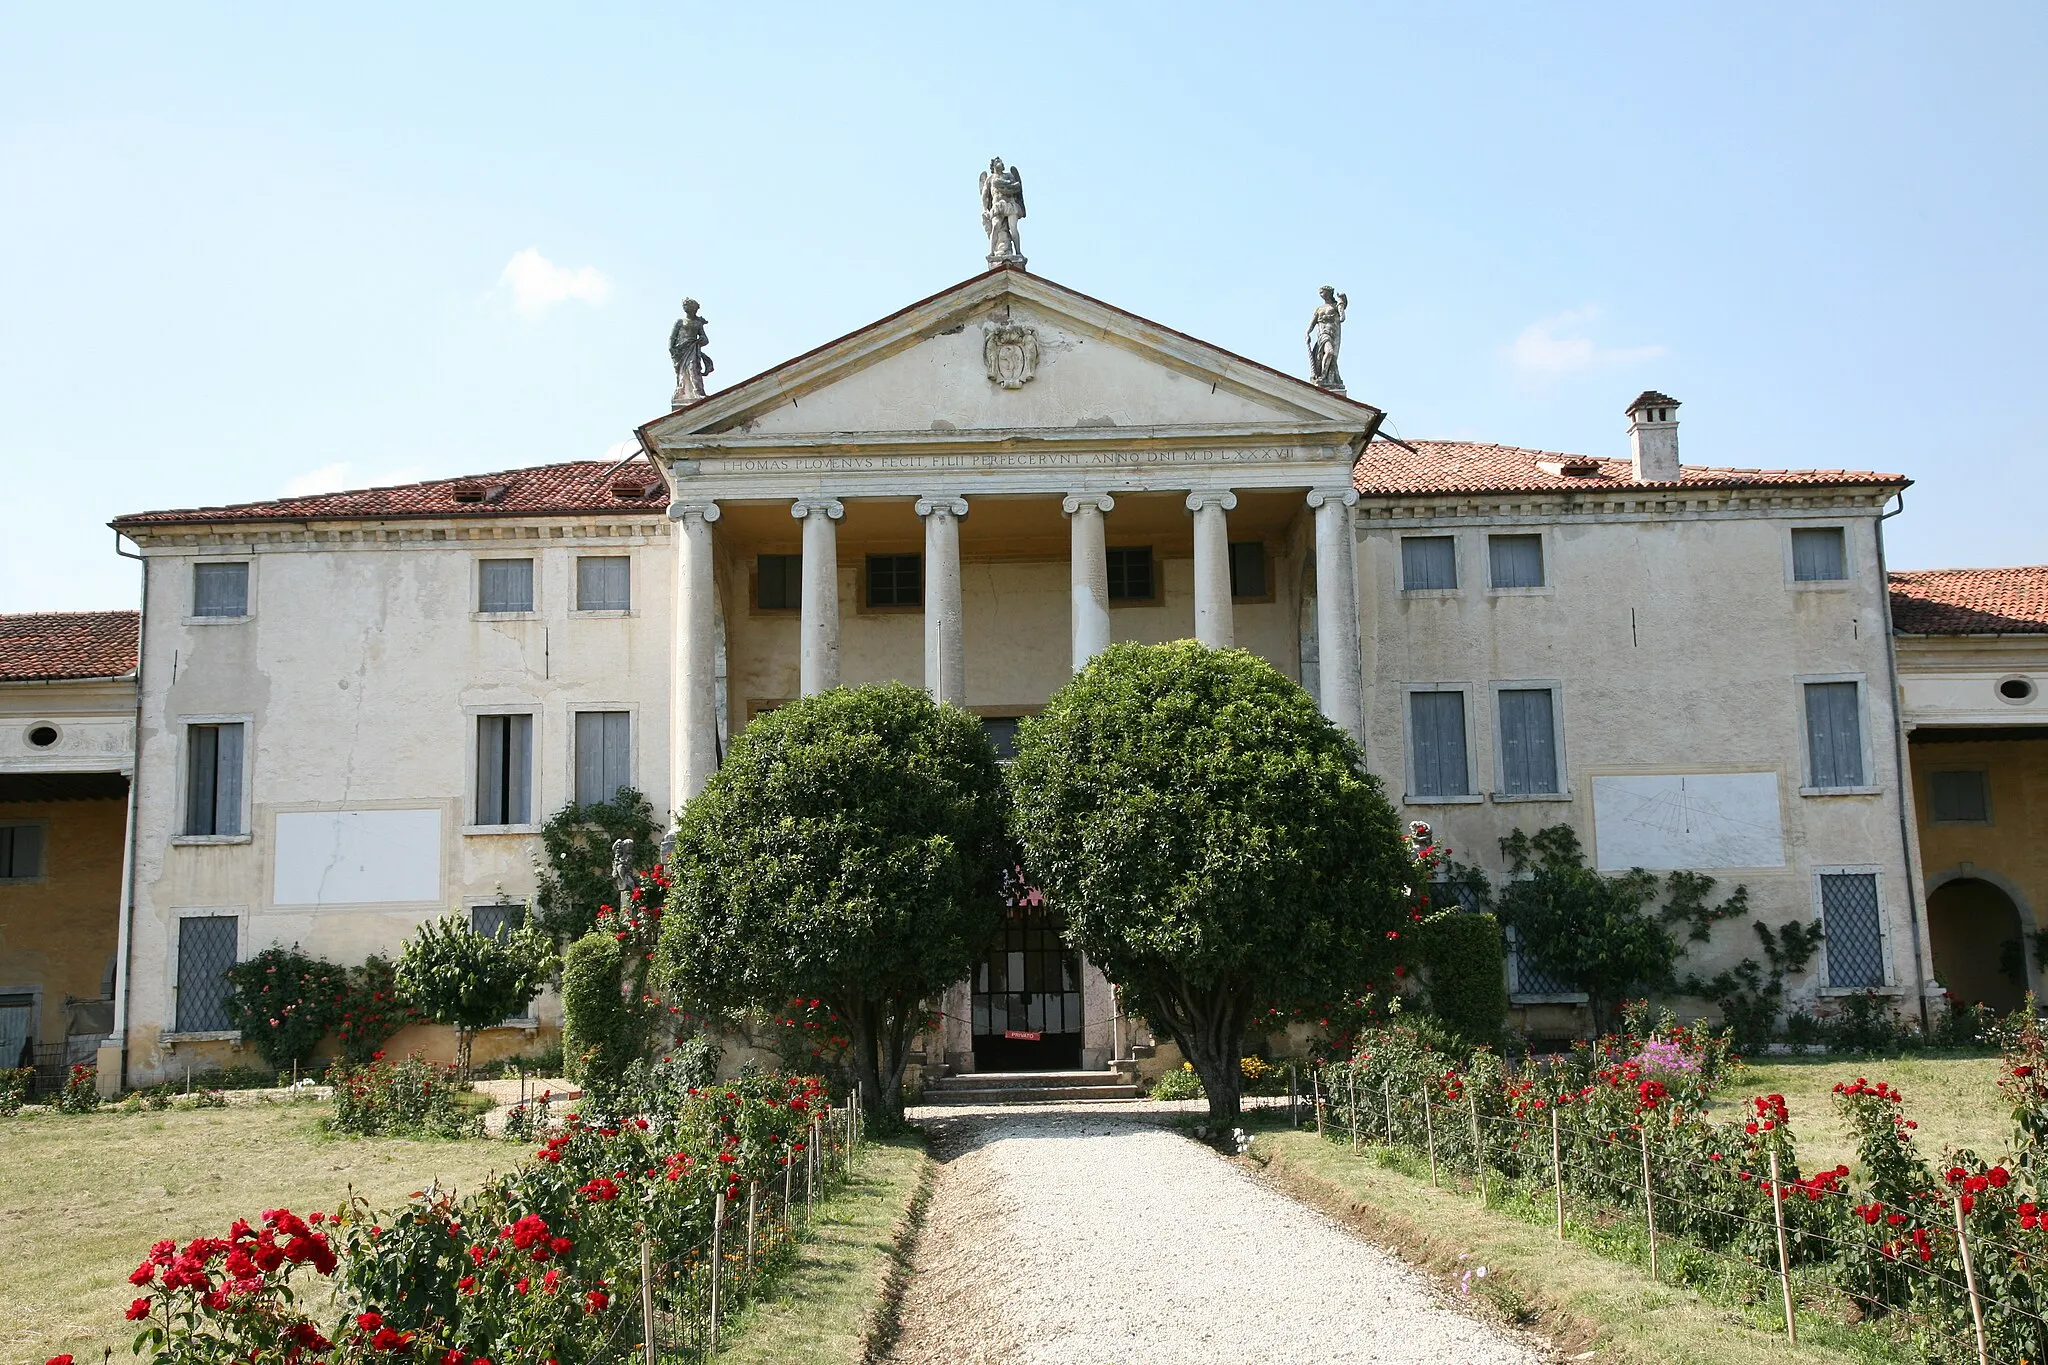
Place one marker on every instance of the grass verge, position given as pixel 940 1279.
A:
pixel 1954 1099
pixel 1581 1300
pixel 836 1304
pixel 82 1198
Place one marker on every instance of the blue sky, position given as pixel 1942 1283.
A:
pixel 246 250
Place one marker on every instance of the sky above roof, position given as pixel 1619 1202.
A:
pixel 251 252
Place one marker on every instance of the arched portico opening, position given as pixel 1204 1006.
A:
pixel 1981 944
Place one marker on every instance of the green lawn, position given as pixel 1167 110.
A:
pixel 83 1197
pixel 1953 1099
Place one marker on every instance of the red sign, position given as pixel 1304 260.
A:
pixel 1021 1036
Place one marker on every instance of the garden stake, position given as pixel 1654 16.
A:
pixel 810 1165
pixel 1387 1093
pixel 1354 1108
pixel 1557 1170
pixel 1649 1212
pixel 647 1294
pixel 717 1227
pixel 1317 1079
pixel 1970 1280
pixel 753 1197
pixel 1429 1133
pixel 787 1175
pixel 1478 1145
pixel 1293 1100
pixel 1784 1260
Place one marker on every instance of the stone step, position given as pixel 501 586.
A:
pixel 1035 1094
pixel 1028 1078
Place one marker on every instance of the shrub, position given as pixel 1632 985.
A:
pixel 81 1092
pixel 1590 929
pixel 529 1119
pixel 602 1033
pixel 1463 958
pixel 1183 1084
pixel 371 1011
pixel 284 1002
pixel 573 876
pixel 454 975
pixel 15 1083
pixel 412 1098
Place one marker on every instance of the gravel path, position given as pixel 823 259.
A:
pixel 1075 1236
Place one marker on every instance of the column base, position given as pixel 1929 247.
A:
pixel 108 1059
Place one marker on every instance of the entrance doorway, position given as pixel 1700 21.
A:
pixel 1027 996
pixel 1980 950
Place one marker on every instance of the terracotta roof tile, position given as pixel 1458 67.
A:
pixel 1433 467
pixel 45 646
pixel 546 490
pixel 1971 601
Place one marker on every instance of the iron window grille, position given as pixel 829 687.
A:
pixel 206 949
pixel 1853 924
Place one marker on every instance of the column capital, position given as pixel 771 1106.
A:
pixel 703 509
pixel 1074 502
pixel 1346 495
pixel 1212 497
pixel 831 507
pixel 951 503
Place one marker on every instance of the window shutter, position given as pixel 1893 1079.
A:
pixel 602 583
pixel 1428 562
pixel 227 802
pixel 1960 797
pixel 1515 561
pixel 1818 555
pixel 1834 734
pixel 1438 722
pixel 1528 742
pixel 603 755
pixel 505 585
pixel 220 590
pixel 21 856
pixel 1854 929
pixel 518 770
pixel 1248 568
pixel 208 758
pixel 206 949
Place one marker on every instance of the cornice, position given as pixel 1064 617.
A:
pixel 469 532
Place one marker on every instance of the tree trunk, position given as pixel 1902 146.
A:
pixel 1209 1030
pixel 873 1073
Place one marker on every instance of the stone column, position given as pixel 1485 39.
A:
pixel 1212 566
pixel 818 657
pixel 693 701
pixel 1090 565
pixel 1337 609
pixel 945 658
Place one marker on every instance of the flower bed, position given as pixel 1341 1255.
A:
pixel 543 1263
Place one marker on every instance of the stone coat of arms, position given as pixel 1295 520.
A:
pixel 1010 350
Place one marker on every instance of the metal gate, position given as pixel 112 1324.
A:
pixel 1027 996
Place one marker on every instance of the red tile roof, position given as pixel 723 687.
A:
pixel 1433 467
pixel 547 490
pixel 1971 601
pixel 45 646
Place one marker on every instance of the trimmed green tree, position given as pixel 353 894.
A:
pixel 602 1032
pixel 469 981
pixel 850 849
pixel 1213 841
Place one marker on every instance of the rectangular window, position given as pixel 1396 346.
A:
pixel 504 585
pixel 1854 929
pixel 1960 798
pixel 220 589
pixel 206 949
pixel 603 583
pixel 895 580
pixel 213 779
pixel 779 582
pixel 1834 735
pixel 1532 978
pixel 1002 733
pixel 504 770
pixel 21 853
pixel 1515 561
pixel 1248 568
pixel 497 921
pixel 1428 562
pixel 604 755
pixel 1437 725
pixel 1528 742
pixel 1818 555
pixel 1130 573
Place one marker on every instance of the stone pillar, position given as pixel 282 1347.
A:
pixel 818 658
pixel 1212 566
pixel 1337 609
pixel 945 657
pixel 1090 565
pixel 693 701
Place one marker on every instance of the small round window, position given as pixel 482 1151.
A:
pixel 2017 690
pixel 42 736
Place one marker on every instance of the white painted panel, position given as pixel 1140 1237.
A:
pixel 358 857
pixel 1689 820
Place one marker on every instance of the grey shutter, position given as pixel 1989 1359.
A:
pixel 1528 742
pixel 1428 562
pixel 603 755
pixel 206 949
pixel 1515 561
pixel 505 585
pixel 1834 735
pixel 21 856
pixel 518 770
pixel 1437 720
pixel 602 583
pixel 1818 555
pixel 220 590
pixel 1854 929
pixel 1960 797
pixel 227 787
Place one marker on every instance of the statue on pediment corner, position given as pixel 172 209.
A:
pixel 1002 204
pixel 686 343
pixel 1326 338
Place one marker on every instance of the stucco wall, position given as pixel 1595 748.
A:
pixel 2009 851
pixel 57 933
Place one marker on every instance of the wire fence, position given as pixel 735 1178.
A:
pixel 1652 1192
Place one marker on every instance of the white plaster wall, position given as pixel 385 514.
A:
pixel 1679 642
pixel 360 671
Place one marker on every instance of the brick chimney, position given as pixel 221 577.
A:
pixel 1653 437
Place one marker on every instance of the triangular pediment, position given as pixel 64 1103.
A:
pixel 1009 352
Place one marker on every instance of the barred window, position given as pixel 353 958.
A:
pixel 1854 929
pixel 206 949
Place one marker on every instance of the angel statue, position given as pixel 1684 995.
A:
pixel 686 343
pixel 1325 336
pixel 1002 204
pixel 623 875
